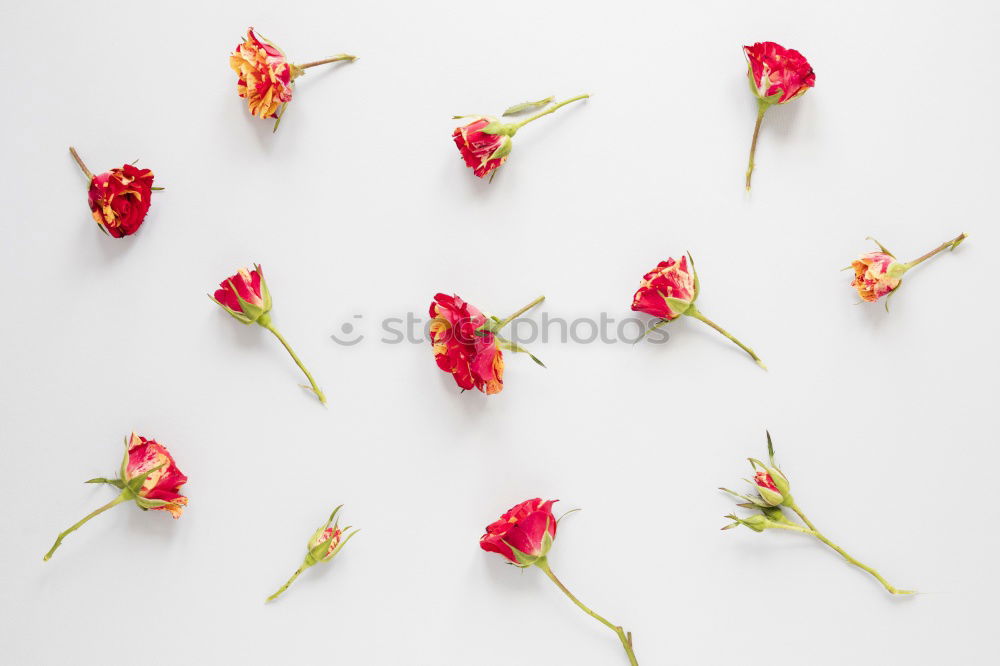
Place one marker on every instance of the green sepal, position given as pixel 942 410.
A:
pixel 117 483
pixel 881 247
pixel 697 283
pixel 528 106
pixel 238 316
pixel 757 522
pixel 503 150
pixel 133 487
pixel 146 504
pixel 523 559
pixel 676 305
pixel 497 127
pixel 751 502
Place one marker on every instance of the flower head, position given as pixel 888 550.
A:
pixel 524 534
pixel 484 152
pixel 265 76
pixel 327 541
pixel 666 291
pixel 245 295
pixel 471 355
pixel 875 275
pixel 163 478
pixel 119 199
pixel 775 70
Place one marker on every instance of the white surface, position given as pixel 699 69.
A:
pixel 360 204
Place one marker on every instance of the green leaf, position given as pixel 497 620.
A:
pixel 508 345
pixel 528 106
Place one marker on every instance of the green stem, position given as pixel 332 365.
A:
pixel 83 167
pixel 269 326
pixel 549 110
pixel 794 528
pixel 62 535
pixel 625 637
pixel 953 243
pixel 694 312
pixel 284 587
pixel 819 535
pixel 336 58
pixel 520 312
pixel 762 108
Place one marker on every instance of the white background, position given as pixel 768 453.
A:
pixel 360 204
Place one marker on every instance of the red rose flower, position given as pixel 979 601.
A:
pixel 669 280
pixel 119 199
pixel 777 75
pixel 472 358
pixel 523 534
pixel 482 152
pixel 265 77
pixel 148 476
pixel 485 143
pixel 669 291
pixel 775 70
pixel 245 295
pixel 247 299
pixel 163 478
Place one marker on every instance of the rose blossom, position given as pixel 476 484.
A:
pixel 877 274
pixel 467 344
pixel 119 199
pixel 247 299
pixel 163 478
pixel 670 279
pixel 485 142
pixel 482 152
pixel 149 476
pixel 669 291
pixel 777 76
pixel 265 77
pixel 872 276
pixel 473 360
pixel 523 534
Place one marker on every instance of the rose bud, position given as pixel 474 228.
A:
pixel 877 274
pixel 148 476
pixel 485 142
pixel 669 291
pixel 266 77
pixel 524 536
pixel 247 299
pixel 777 76
pixel 773 488
pixel 324 544
pixel 467 344
pixel 119 199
